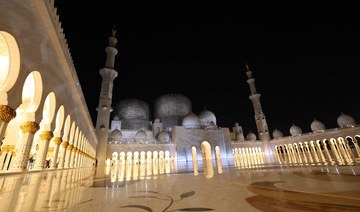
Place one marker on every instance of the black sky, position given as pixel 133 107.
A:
pixel 305 62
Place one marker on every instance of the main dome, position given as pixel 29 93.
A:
pixel 133 109
pixel 171 105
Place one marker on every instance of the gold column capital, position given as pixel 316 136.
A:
pixel 6 113
pixel 29 126
pixel 46 135
pixel 74 149
pixel 70 147
pixel 65 144
pixel 57 140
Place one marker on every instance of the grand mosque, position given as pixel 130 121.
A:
pixel 53 158
pixel 44 113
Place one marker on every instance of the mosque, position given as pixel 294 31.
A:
pixel 43 113
pixel 44 119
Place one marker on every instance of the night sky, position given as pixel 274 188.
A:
pixel 305 63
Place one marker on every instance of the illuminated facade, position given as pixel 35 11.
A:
pixel 43 113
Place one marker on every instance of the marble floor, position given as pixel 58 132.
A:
pixel 211 186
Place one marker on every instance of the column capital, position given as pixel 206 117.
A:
pixel 57 140
pixel 6 113
pixel 46 135
pixel 29 126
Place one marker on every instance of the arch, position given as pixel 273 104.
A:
pixel 67 127
pixel 9 64
pixel 350 141
pixel 48 111
pixel 206 150
pixel 114 156
pixel 59 121
pixel 31 95
pixel 72 133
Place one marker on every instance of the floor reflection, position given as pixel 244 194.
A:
pixel 44 191
pixel 153 186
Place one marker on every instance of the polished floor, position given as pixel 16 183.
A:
pixel 210 186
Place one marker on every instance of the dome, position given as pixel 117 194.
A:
pixel 295 130
pixel 164 137
pixel 133 109
pixel 239 136
pixel 277 133
pixel 345 120
pixel 191 121
pixel 317 126
pixel 116 135
pixel 251 136
pixel 116 118
pixel 175 105
pixel 140 136
pixel 207 118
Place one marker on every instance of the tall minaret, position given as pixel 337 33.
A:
pixel 260 119
pixel 108 74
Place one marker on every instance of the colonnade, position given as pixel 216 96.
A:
pixel 33 122
pixel 333 151
pixel 248 157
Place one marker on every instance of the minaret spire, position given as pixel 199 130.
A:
pixel 260 119
pixel 261 124
pixel 108 74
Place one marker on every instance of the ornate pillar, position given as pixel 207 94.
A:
pixel 54 159
pixel 63 147
pixel 41 154
pixel 6 114
pixel 68 156
pixel 23 146
pixel 73 157
pixel 77 158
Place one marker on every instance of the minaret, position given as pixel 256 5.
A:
pixel 108 74
pixel 260 119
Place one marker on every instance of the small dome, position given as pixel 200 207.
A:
pixel 295 130
pixel 317 126
pixel 277 134
pixel 116 135
pixel 239 136
pixel 251 136
pixel 345 120
pixel 157 121
pixel 191 121
pixel 207 118
pixel 116 118
pixel 164 137
pixel 140 136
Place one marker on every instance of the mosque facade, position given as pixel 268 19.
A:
pixel 43 113
pixel 177 130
